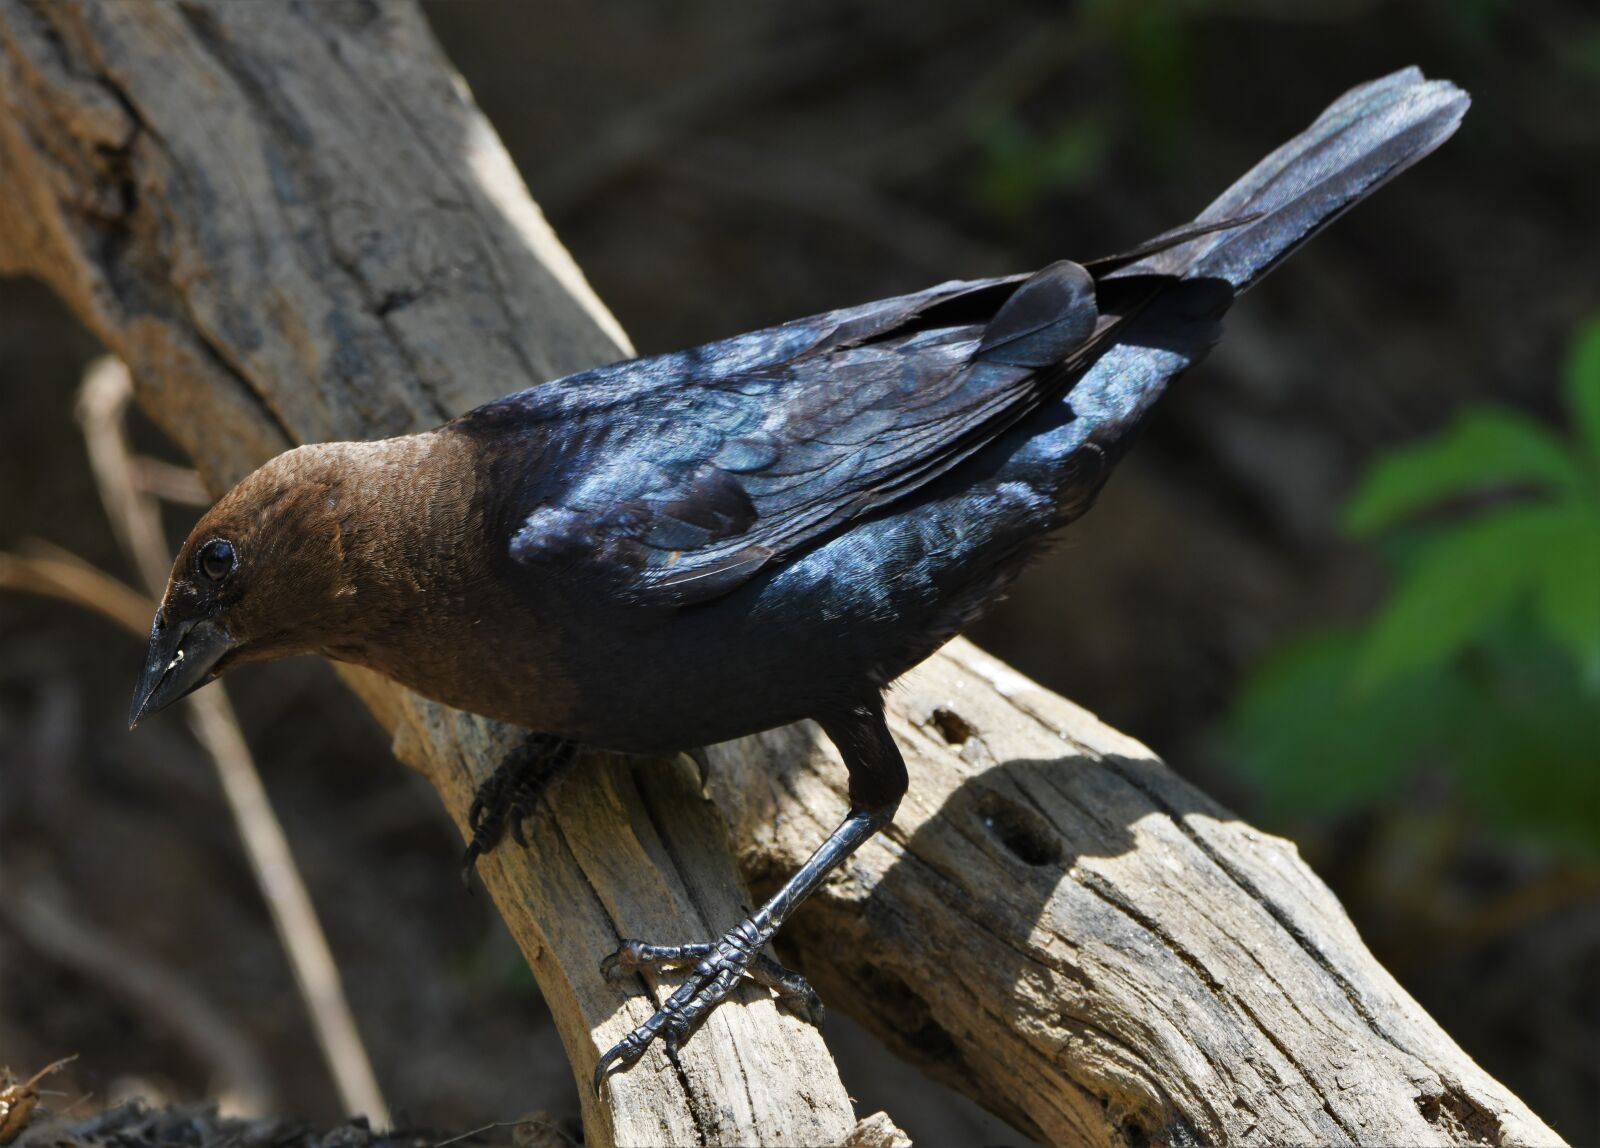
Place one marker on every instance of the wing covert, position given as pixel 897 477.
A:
pixel 681 477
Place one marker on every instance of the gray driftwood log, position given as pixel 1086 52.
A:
pixel 294 224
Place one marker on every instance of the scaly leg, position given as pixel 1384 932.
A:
pixel 787 985
pixel 877 780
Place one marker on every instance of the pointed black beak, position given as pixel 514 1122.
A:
pixel 181 659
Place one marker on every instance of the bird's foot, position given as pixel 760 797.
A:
pixel 508 798
pixel 718 967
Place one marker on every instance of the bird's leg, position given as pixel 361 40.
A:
pixel 877 780
pixel 509 796
pixel 718 966
pixel 788 986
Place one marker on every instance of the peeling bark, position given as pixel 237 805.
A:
pixel 294 225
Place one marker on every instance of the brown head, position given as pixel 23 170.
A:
pixel 265 574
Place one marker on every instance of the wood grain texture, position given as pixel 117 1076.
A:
pixel 294 225
pixel 1060 925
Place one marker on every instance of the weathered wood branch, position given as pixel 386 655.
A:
pixel 294 225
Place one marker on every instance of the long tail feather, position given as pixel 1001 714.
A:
pixel 1365 138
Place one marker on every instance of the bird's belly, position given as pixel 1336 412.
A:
pixel 829 628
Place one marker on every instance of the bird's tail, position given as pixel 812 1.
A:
pixel 1365 138
pixel 1162 327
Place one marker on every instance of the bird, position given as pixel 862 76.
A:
pixel 678 550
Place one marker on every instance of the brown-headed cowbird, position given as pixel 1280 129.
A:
pixel 679 550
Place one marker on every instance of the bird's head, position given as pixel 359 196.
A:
pixel 259 577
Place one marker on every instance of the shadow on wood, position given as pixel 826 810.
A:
pixel 1065 930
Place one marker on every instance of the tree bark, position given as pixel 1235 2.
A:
pixel 294 225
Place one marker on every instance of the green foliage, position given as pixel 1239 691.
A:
pixel 1154 39
pixel 1583 392
pixel 1485 659
pixel 1580 58
pixel 1477 20
pixel 1485 449
pixel 1020 166
pixel 1463 578
pixel 1312 743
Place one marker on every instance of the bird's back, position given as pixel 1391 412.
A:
pixel 828 500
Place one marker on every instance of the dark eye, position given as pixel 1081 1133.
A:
pixel 217 559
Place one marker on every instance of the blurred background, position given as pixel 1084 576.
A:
pixel 1349 583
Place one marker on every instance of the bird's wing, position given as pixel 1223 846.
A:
pixel 674 480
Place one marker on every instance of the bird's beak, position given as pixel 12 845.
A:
pixel 182 657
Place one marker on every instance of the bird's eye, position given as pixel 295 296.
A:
pixel 217 559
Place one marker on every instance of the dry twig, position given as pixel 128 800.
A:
pixel 56 573
pixel 103 400
pixel 19 1098
pixel 124 485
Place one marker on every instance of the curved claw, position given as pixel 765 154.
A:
pixel 469 862
pixel 626 1052
pixel 623 961
pixel 804 1004
pixel 672 1038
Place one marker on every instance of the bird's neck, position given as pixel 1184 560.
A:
pixel 406 526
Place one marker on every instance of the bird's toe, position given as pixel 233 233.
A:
pixel 718 967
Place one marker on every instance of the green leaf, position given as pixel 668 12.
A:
pixel 1580 57
pixel 1484 448
pixel 1021 167
pixel 1071 154
pixel 1311 746
pixel 1459 582
pixel 1529 755
pixel 1583 387
pixel 1569 588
